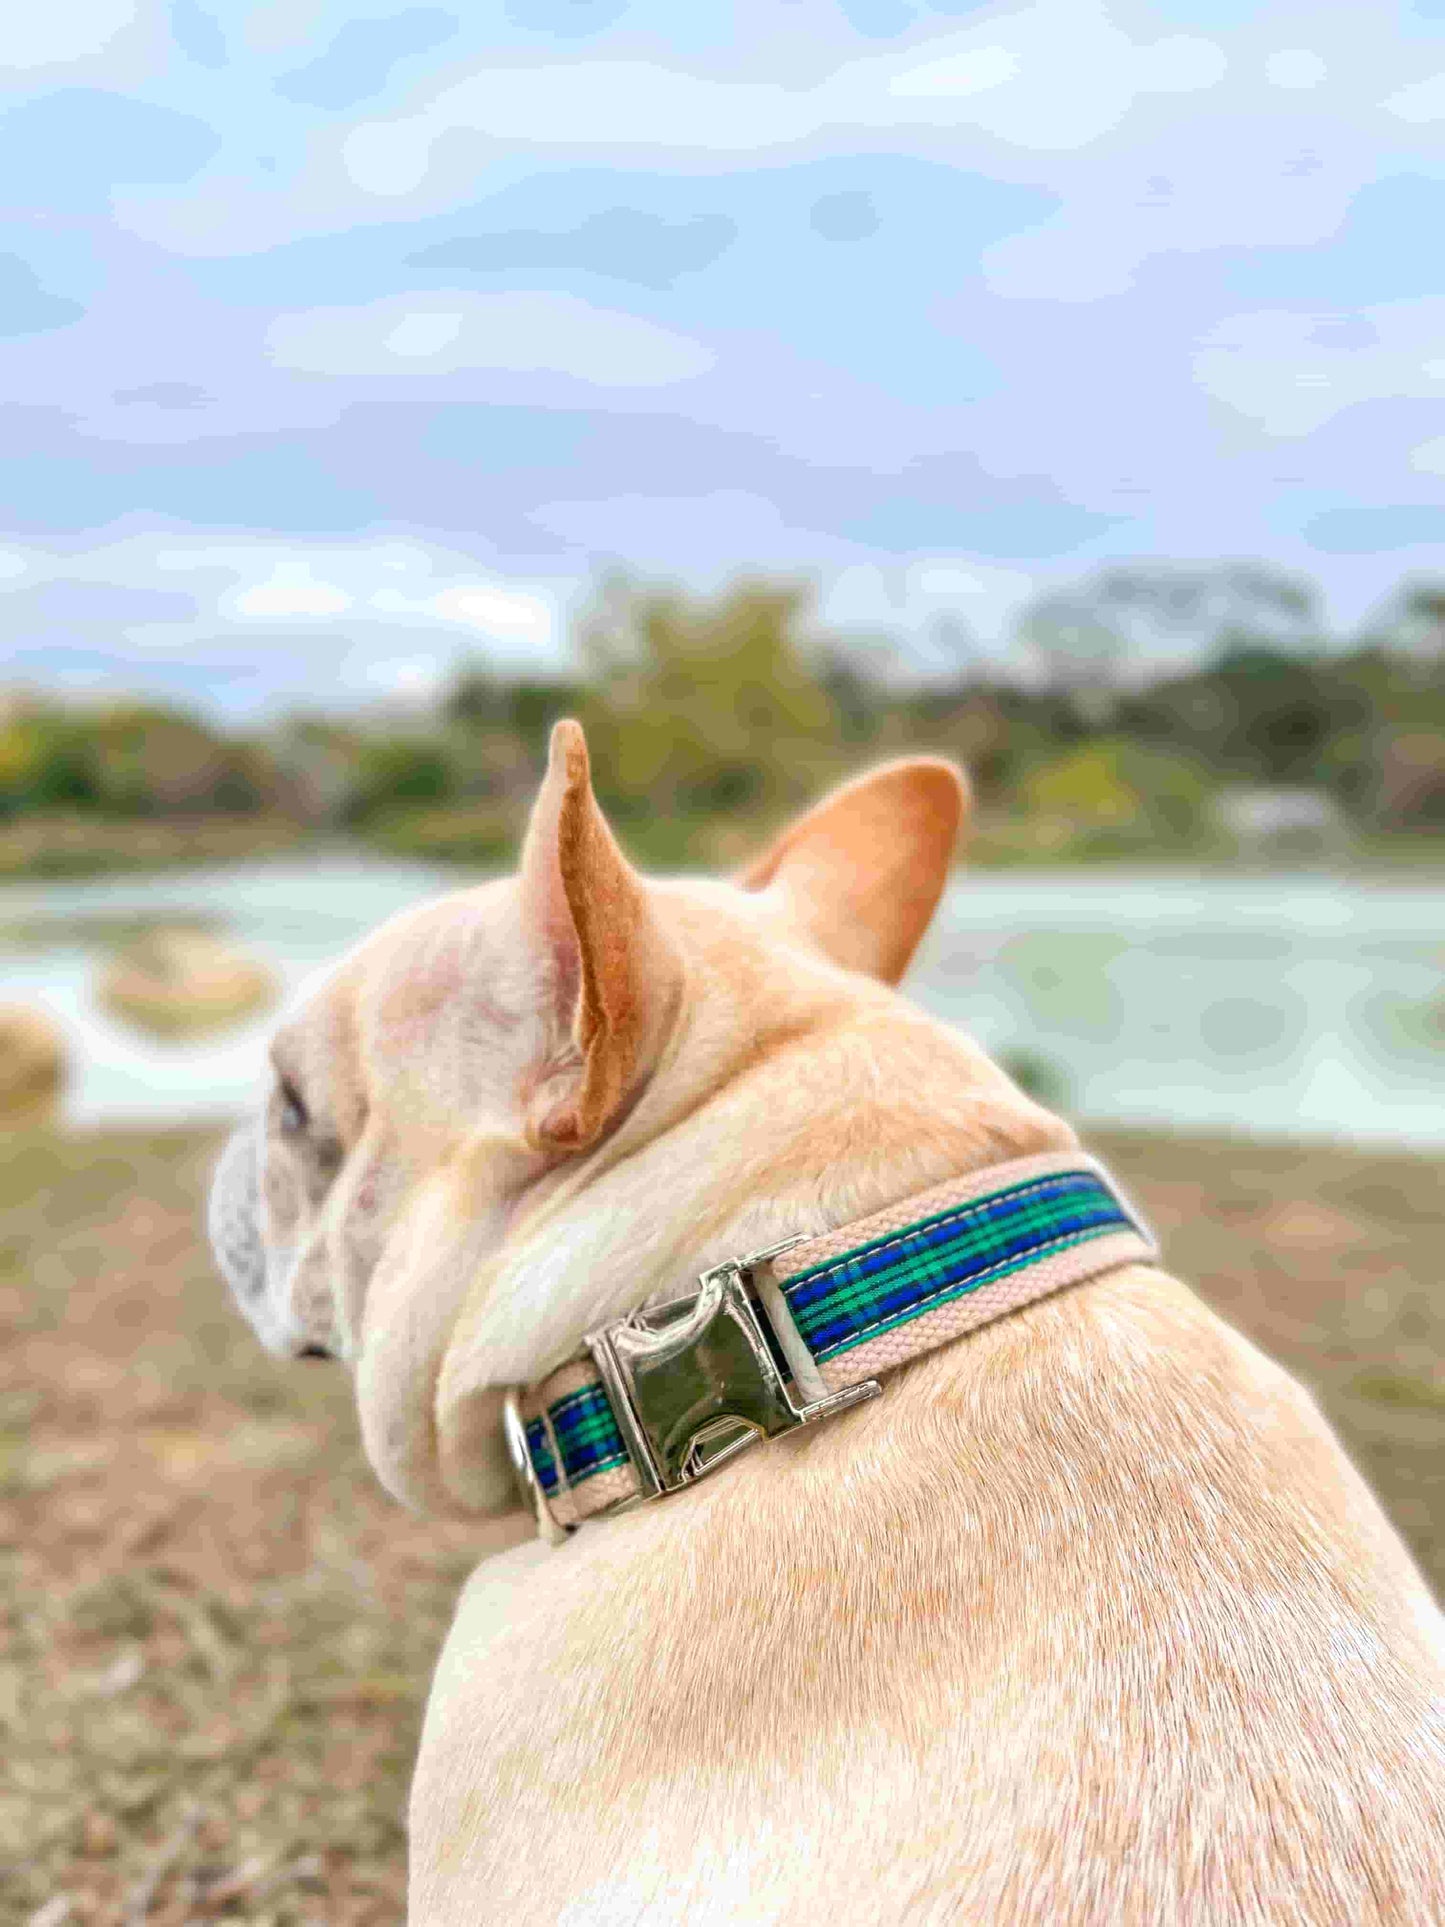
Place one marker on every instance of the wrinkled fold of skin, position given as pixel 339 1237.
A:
pixel 1088 1619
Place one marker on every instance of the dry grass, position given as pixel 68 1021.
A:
pixel 217 1630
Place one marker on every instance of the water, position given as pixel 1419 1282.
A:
pixel 1290 1006
pixel 298 916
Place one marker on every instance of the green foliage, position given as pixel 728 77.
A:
pixel 704 707
pixel 1037 1076
pixel 1261 716
pixel 481 703
pixel 45 763
pixel 1086 788
pixel 710 719
pixel 1160 608
pixel 1117 794
pixel 398 773
pixel 127 760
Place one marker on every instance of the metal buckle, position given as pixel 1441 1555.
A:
pixel 694 1382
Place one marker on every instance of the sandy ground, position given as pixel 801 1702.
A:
pixel 218 1631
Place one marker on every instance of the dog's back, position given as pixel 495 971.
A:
pixel 1088 1621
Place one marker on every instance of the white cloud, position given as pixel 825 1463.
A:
pixel 481 607
pixel 501 612
pixel 411 680
pixel 1078 96
pixel 62 33
pixel 1183 192
pixel 397 617
pixel 289 591
pixel 1179 64
pixel 1273 157
pixel 575 104
pixel 1428 458
pixel 1017 86
pixel 361 583
pixel 1423 102
pixel 1296 69
pixel 247 589
pixel 421 335
pixel 1047 79
pixel 1289 373
pixel 918 597
pixel 512 332
pixel 1050 76
pixel 970 71
pixel 973 581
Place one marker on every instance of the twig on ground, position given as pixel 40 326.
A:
pixel 210 1896
pixel 307 1871
pixel 54 1913
pixel 142 1896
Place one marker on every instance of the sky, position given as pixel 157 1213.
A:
pixel 342 343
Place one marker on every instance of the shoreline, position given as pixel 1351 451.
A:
pixel 79 851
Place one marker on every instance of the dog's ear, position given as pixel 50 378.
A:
pixel 610 975
pixel 862 872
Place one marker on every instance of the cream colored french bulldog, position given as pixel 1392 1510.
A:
pixel 1086 1620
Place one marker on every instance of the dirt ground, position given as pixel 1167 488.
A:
pixel 218 1631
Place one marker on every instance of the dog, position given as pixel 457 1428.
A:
pixel 1084 1619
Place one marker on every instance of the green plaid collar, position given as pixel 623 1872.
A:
pixel 801 1331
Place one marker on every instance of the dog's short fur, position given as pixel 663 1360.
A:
pixel 1086 1620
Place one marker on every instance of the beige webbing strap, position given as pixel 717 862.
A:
pixel 1044 1272
pixel 872 1295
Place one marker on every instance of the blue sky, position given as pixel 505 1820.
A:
pixel 344 341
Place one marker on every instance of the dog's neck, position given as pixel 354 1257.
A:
pixel 641 1218
pixel 862 1102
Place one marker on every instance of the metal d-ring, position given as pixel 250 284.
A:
pixel 515 1432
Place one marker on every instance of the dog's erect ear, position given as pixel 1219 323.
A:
pixel 862 873
pixel 610 973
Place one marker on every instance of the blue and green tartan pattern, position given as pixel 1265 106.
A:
pixel 884 1283
pixel 869 1290
pixel 586 1434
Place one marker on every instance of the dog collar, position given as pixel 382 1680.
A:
pixel 798 1332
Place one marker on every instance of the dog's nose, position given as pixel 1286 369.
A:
pixel 314 1351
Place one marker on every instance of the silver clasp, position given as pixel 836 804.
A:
pixel 514 1430
pixel 693 1382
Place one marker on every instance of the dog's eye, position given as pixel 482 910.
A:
pixel 294 1117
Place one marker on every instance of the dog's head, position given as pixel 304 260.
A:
pixel 482 1058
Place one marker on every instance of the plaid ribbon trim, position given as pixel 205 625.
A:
pixel 586 1436
pixel 879 1285
pixel 867 1291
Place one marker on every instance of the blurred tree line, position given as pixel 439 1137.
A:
pixel 1145 710
pixel 124 760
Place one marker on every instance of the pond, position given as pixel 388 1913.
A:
pixel 1291 1006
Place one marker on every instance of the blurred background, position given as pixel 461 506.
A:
pixel 1059 387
